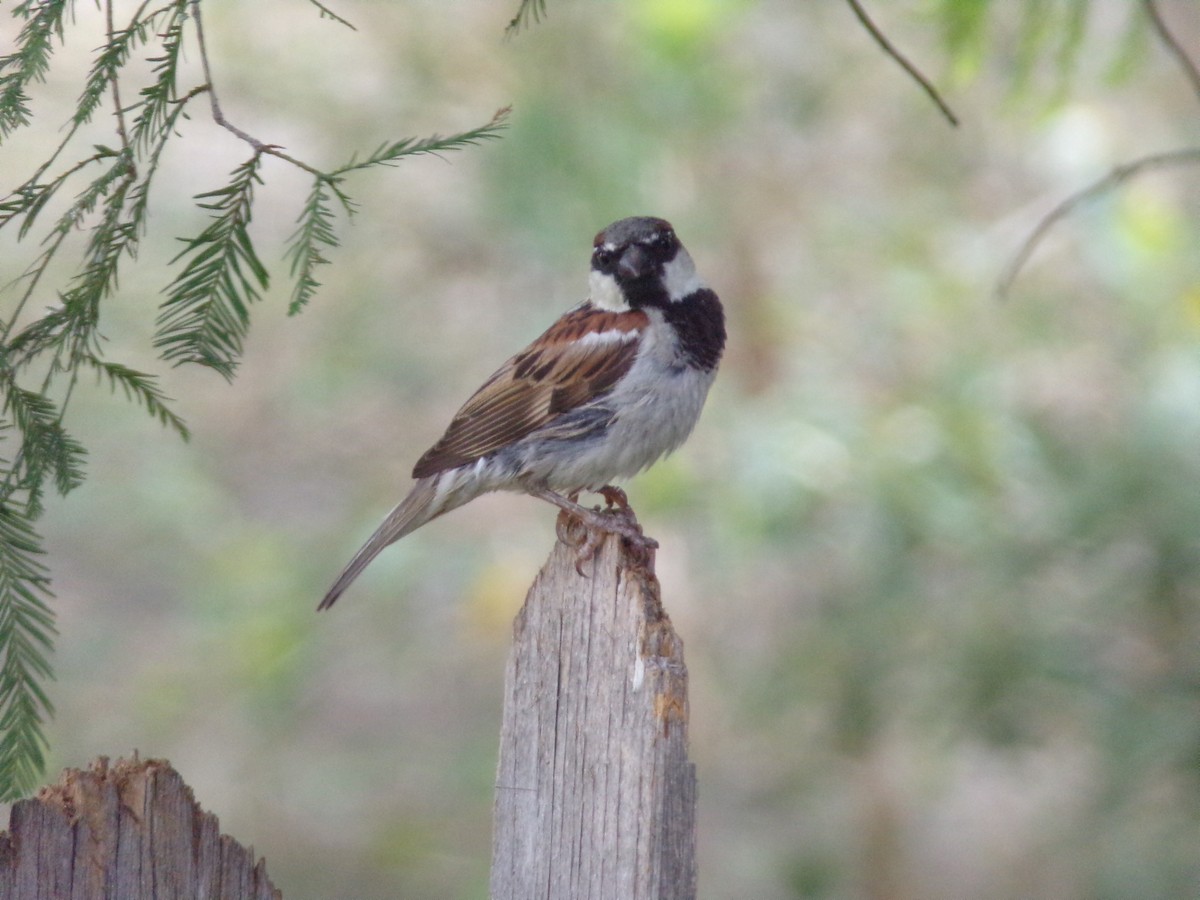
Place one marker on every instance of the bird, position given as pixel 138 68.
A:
pixel 616 383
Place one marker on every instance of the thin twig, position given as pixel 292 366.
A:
pixel 116 93
pixel 34 273
pixel 1118 175
pixel 327 13
pixel 1122 173
pixel 530 10
pixel 890 49
pixel 219 116
pixel 1190 69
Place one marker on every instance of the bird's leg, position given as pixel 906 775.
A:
pixel 595 519
pixel 597 523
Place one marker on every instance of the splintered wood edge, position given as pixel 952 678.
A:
pixel 74 793
pixel 144 789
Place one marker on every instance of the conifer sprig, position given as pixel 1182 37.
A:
pixel 96 197
pixel 26 640
pixel 207 311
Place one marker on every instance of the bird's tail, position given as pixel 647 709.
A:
pixel 421 505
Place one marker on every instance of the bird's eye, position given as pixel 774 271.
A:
pixel 604 259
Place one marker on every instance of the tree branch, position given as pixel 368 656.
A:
pixel 327 13
pixel 1117 176
pixel 118 106
pixel 890 49
pixel 1190 69
pixel 1122 173
pixel 219 116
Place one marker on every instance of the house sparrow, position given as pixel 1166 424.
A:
pixel 614 384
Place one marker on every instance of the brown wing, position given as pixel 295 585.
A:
pixel 579 358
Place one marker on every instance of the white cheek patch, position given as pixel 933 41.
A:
pixel 606 293
pixel 680 277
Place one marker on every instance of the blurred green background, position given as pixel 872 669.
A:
pixel 935 557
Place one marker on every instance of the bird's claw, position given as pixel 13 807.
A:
pixel 614 497
pixel 596 524
pixel 587 550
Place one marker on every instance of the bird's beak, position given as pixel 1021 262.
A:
pixel 635 263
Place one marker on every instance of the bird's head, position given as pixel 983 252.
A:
pixel 639 262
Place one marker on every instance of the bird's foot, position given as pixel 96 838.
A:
pixel 596 524
pixel 574 532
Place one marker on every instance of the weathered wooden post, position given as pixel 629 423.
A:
pixel 595 796
pixel 129 831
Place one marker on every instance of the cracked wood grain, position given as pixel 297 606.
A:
pixel 595 796
pixel 130 831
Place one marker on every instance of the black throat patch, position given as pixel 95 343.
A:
pixel 645 291
pixel 699 321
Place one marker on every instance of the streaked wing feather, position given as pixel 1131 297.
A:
pixel 557 373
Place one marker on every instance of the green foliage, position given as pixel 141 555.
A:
pixel 207 311
pixel 204 318
pixel 1044 41
pixel 390 153
pixel 30 61
pixel 141 389
pixel 155 119
pixel 26 637
pixel 47 450
pixel 314 231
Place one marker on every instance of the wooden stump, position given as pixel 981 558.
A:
pixel 595 796
pixel 131 831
